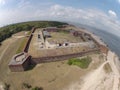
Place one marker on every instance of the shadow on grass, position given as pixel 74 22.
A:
pixel 30 67
pixel 37 88
pixel 40 88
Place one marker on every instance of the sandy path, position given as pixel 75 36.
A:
pixel 91 81
pixel 99 79
pixel 111 59
pixel 1 87
pixel 2 54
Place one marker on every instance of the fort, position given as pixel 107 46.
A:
pixel 54 44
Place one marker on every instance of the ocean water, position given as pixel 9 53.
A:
pixel 110 39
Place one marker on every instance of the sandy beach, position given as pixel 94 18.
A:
pixel 49 76
pixel 101 78
pixel 103 73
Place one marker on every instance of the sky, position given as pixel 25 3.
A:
pixel 103 14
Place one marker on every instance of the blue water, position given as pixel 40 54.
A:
pixel 110 39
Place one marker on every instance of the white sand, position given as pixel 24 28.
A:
pixel 112 59
pixel 99 79
pixel 1 86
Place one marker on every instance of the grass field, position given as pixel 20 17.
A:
pixel 4 45
pixel 64 36
pixel 82 63
pixel 49 76
pixel 22 45
pixel 22 33
pixel 58 36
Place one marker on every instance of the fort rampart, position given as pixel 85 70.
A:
pixel 29 40
pixel 61 57
pixel 33 60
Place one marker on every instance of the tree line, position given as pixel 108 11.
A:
pixel 7 31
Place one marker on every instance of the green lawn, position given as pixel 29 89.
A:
pixel 64 31
pixel 21 47
pixel 82 63
pixel 29 32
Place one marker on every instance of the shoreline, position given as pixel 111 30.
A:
pixel 111 80
pixel 97 38
pixel 57 75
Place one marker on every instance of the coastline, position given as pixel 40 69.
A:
pixel 111 80
pixel 59 75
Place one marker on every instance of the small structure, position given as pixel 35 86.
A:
pixel 46 34
pixel 66 44
pixel 39 36
pixel 103 49
pixel 19 62
pixel 74 32
pixel 50 44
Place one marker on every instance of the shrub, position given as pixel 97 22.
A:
pixel 6 86
pixel 26 85
pixel 83 62
pixel 37 88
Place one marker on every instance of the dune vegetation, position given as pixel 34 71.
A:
pixel 82 63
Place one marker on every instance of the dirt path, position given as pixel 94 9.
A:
pixel 2 54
